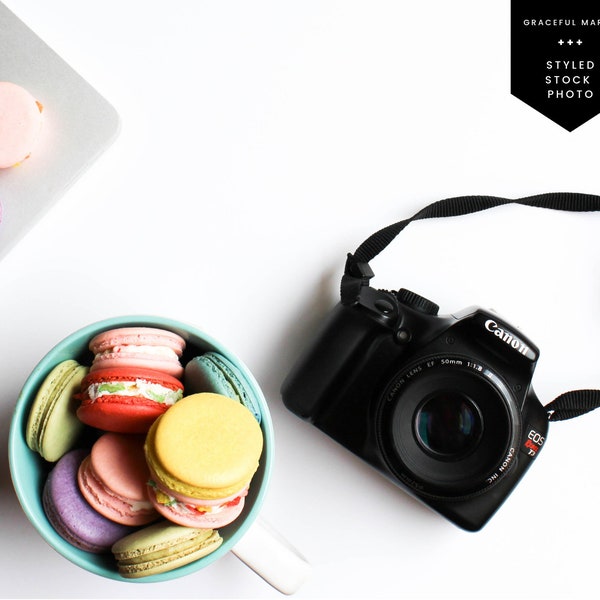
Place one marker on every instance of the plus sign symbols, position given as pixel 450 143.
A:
pixel 555 58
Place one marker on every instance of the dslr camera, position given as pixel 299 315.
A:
pixel 440 405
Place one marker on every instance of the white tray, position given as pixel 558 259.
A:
pixel 79 125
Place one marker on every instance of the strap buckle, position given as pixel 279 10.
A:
pixel 356 276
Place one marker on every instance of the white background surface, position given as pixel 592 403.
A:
pixel 261 142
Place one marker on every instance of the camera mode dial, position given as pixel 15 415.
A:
pixel 417 302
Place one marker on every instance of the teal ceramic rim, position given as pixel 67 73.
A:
pixel 22 460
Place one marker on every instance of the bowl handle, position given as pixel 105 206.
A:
pixel 272 557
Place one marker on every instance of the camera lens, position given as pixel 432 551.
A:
pixel 448 424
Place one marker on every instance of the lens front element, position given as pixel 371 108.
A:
pixel 448 424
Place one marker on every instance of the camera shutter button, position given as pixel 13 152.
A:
pixel 417 302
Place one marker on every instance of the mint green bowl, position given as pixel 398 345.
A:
pixel 29 470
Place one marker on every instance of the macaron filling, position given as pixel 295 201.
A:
pixel 187 508
pixel 137 388
pixel 187 505
pixel 157 351
pixel 159 358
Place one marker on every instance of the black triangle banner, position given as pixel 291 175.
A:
pixel 555 58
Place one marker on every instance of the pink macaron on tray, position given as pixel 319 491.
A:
pixel 76 124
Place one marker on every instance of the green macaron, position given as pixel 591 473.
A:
pixel 212 372
pixel 162 547
pixel 53 427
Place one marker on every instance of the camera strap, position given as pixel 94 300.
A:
pixel 358 272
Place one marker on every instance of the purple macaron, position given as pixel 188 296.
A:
pixel 70 514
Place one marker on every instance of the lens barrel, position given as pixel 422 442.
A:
pixel 447 426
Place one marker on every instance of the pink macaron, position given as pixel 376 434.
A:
pixel 20 124
pixel 113 479
pixel 144 347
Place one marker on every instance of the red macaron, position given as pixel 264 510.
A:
pixel 126 400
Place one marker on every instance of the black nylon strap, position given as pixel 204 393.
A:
pixel 573 404
pixel 463 205
pixel 358 272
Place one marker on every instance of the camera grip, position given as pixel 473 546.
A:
pixel 316 372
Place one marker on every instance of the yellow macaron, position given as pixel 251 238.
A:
pixel 206 446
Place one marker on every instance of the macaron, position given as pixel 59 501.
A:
pixel 69 512
pixel 213 372
pixel 162 547
pixel 52 426
pixel 202 454
pixel 194 512
pixel 126 399
pixel 20 124
pixel 113 480
pixel 144 347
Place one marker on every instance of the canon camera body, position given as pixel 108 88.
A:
pixel 441 405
